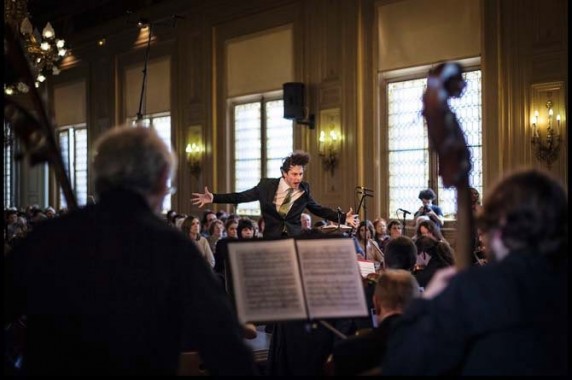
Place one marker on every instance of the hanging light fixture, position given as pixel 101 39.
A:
pixel 44 51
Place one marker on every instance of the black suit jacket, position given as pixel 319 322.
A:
pixel 358 354
pixel 274 223
pixel 112 290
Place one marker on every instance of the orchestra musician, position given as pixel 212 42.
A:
pixel 121 295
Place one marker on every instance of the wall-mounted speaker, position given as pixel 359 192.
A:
pixel 293 100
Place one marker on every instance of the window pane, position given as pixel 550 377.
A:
pixel 408 142
pixel 80 172
pixel 8 165
pixel 161 123
pixel 248 155
pixel 408 145
pixel 279 137
pixel 63 137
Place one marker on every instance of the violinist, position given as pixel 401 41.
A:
pixel 394 290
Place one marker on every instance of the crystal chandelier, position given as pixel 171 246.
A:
pixel 45 52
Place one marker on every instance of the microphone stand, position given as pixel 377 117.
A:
pixel 139 114
pixel 364 194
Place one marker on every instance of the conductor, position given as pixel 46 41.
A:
pixel 282 200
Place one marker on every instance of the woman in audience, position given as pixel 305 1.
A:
pixel 370 247
pixel 216 231
pixel 192 228
pixel 380 235
pixel 231 228
pixel 432 255
pixel 426 227
pixel 395 229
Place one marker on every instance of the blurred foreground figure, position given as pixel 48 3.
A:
pixel 111 289
pixel 509 317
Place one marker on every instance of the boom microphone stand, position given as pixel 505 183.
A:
pixel 364 192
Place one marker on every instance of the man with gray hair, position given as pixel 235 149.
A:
pixel 111 289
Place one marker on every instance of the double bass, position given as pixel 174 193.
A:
pixel 36 133
pixel 34 129
pixel 446 81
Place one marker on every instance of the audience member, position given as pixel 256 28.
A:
pixel 432 255
pixel 191 227
pixel 306 221
pixel 245 229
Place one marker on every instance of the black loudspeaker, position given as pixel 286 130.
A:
pixel 293 100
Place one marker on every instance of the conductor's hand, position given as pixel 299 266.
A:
pixel 351 218
pixel 201 199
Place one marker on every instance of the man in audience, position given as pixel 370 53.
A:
pixel 306 221
pixel 509 317
pixel 121 295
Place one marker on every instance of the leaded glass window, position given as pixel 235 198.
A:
pixel 73 145
pixel 262 138
pixel 161 123
pixel 8 166
pixel 410 160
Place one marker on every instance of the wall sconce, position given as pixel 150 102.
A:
pixel 329 141
pixel 548 149
pixel 194 154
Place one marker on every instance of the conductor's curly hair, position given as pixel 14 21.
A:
pixel 297 158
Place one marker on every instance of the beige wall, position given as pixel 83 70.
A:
pixel 420 32
pixel 157 97
pixel 259 63
pixel 70 103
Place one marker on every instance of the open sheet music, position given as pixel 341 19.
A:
pixel 291 279
pixel 366 267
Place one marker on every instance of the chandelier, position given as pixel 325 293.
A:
pixel 44 51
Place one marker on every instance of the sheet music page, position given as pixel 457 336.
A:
pixel 331 278
pixel 266 279
pixel 366 267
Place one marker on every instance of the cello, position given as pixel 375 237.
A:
pixel 448 140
